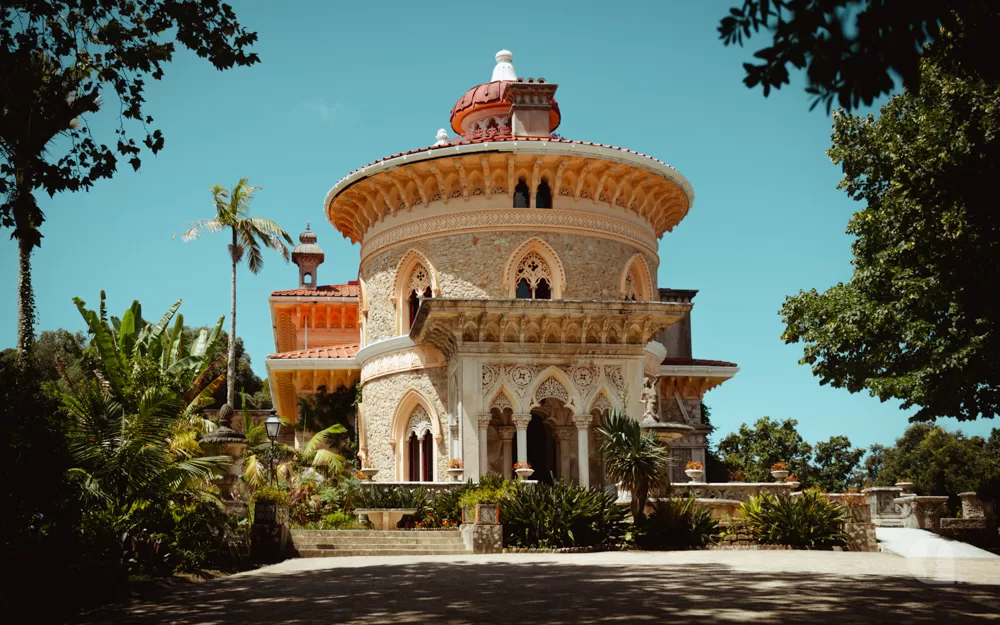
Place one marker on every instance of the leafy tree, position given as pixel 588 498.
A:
pixel 323 408
pixel 232 211
pixel 56 59
pixel 852 49
pixel 247 381
pixel 753 450
pixel 918 320
pixel 836 464
pixel 634 459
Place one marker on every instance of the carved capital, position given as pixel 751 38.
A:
pixel 484 421
pixel 565 433
pixel 582 421
pixel 521 421
pixel 507 432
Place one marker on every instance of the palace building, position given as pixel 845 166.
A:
pixel 506 298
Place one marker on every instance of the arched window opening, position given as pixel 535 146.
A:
pixel 427 474
pixel 542 291
pixel 413 304
pixel 307 279
pixel 533 278
pixel 417 286
pixel 543 195
pixel 413 450
pixel 523 289
pixel 521 194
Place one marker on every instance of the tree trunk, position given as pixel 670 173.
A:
pixel 231 369
pixel 25 302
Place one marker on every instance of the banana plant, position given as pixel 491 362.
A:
pixel 121 341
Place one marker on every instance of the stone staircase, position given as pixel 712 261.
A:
pixel 342 543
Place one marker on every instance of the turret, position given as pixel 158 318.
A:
pixel 308 256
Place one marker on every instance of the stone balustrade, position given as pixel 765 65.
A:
pixel 737 491
pixel 922 512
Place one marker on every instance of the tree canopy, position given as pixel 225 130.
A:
pixel 851 50
pixel 753 449
pixel 918 320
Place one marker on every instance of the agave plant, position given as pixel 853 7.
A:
pixel 634 459
pixel 808 520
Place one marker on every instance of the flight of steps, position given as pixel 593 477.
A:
pixel 330 543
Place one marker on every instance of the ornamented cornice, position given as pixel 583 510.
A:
pixel 409 359
pixel 531 220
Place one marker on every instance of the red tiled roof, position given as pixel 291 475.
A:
pixel 330 351
pixel 351 289
pixel 696 362
pixel 491 94
pixel 555 139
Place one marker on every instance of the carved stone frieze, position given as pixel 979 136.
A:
pixel 402 360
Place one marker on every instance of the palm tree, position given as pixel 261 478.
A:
pixel 232 210
pixel 46 104
pixel 636 460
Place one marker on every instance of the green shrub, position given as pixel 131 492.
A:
pixel 380 497
pixel 560 515
pixel 675 524
pixel 205 536
pixel 446 505
pixel 808 520
pixel 271 494
pixel 490 490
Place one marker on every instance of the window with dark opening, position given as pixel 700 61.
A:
pixel 521 194
pixel 543 196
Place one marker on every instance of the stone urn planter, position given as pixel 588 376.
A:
pixel 456 474
pixel 384 518
pixel 481 514
pixel 368 473
pixel 779 476
pixel 905 485
pixel 695 475
pixel 524 472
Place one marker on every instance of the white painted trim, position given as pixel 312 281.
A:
pixel 528 147
pixel 695 370
pixel 380 347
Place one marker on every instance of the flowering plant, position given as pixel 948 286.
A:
pixel 793 478
pixel 694 465
pixel 359 475
pixel 737 476
pixel 779 466
pixel 522 465
pixel 454 463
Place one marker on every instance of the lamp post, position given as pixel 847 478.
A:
pixel 273 426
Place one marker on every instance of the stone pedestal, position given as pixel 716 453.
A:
pixel 269 534
pixel 922 512
pixel 481 529
pixel 226 442
pixel 885 511
pixel 385 518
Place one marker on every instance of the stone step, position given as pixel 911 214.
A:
pixel 344 553
pixel 348 540
pixel 370 533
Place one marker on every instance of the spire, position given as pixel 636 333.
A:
pixel 505 66
pixel 308 256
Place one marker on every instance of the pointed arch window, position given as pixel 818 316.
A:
pixel 533 278
pixel 635 285
pixel 418 286
pixel 521 194
pixel 543 195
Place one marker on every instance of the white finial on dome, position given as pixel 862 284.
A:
pixel 505 66
pixel 442 137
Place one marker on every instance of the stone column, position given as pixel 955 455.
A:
pixel 521 422
pixel 565 435
pixel 582 423
pixel 420 471
pixel 484 456
pixel 507 435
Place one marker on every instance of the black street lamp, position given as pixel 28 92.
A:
pixel 273 426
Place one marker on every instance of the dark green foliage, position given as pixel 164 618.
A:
pixel 446 506
pixel 836 463
pixel 205 536
pixel 918 320
pixel 323 409
pixel 633 459
pixel 561 515
pixel 853 50
pixel 258 395
pixel 373 496
pixel 753 450
pixel 808 520
pixel 675 523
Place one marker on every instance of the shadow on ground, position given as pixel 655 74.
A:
pixel 555 593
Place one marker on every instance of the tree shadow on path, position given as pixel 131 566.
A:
pixel 557 593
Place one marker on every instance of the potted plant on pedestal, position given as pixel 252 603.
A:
pixel 793 481
pixel 779 471
pixel 694 470
pixel 455 469
pixel 523 470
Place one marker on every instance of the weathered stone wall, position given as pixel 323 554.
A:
pixel 381 397
pixel 471 266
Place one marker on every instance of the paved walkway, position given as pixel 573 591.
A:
pixel 667 587
pixel 914 543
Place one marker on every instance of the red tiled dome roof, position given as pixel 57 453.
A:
pixel 491 95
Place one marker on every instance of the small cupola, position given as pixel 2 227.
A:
pixel 308 256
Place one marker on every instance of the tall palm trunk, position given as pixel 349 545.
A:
pixel 231 369
pixel 25 293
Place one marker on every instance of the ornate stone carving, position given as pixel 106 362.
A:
pixel 484 421
pixel 402 360
pixel 616 376
pixel 533 269
pixel 552 388
pixel 630 292
pixel 507 432
pixel 521 421
pixel 520 376
pixel 649 398
pixel 420 422
pixel 491 373
pixel 501 403
pixel 582 421
pixel 601 404
pixel 585 379
pixel 527 220
pixel 565 433
pixel 419 280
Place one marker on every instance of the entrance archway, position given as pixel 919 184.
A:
pixel 541 448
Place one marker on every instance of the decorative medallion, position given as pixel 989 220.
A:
pixel 552 388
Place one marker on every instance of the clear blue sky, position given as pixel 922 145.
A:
pixel 342 84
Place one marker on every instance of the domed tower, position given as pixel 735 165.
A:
pixel 508 291
pixel 308 256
